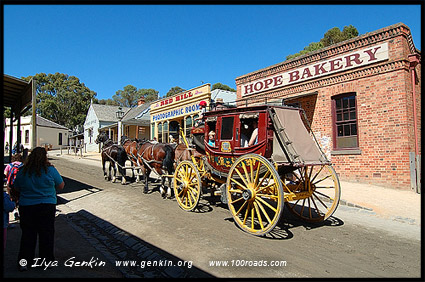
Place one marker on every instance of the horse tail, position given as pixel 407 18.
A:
pixel 121 156
pixel 168 161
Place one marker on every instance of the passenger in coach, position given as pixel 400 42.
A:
pixel 254 136
pixel 211 138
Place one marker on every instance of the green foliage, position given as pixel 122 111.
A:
pixel 62 98
pixel 129 96
pixel 332 36
pixel 175 90
pixel 109 102
pixel 150 94
pixel 6 112
pixel 222 87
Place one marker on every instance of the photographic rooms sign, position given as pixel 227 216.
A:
pixel 352 60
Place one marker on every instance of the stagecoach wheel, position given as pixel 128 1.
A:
pixel 254 194
pixel 320 185
pixel 187 185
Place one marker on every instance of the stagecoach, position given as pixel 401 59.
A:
pixel 286 166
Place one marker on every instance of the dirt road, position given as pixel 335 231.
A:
pixel 351 244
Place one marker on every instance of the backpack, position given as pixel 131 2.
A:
pixel 14 168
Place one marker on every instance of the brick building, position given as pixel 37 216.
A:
pixel 363 100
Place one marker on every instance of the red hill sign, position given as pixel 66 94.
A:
pixel 342 63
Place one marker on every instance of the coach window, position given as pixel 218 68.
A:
pixel 226 128
pixel 344 116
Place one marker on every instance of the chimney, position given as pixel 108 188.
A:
pixel 141 101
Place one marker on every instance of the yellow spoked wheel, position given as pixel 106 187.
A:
pixel 187 185
pixel 254 194
pixel 318 192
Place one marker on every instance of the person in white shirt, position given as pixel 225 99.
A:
pixel 254 136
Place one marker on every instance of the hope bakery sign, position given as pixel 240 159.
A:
pixel 342 63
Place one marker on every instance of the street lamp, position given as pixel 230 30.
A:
pixel 119 115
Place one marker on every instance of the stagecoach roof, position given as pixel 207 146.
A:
pixel 243 110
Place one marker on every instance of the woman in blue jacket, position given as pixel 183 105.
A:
pixel 37 182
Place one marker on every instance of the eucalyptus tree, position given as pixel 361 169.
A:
pixel 332 36
pixel 130 94
pixel 62 98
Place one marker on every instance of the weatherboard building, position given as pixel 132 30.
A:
pixel 363 100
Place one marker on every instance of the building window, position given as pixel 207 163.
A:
pixel 27 136
pixel 153 130
pixel 160 132
pixel 165 132
pixel 141 132
pixel 188 125
pixel 344 115
pixel 90 134
pixel 60 139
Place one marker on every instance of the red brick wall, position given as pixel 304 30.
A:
pixel 383 131
pixel 384 107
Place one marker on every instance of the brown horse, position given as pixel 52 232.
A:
pixel 132 148
pixel 158 157
pixel 182 153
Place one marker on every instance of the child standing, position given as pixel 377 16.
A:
pixel 8 206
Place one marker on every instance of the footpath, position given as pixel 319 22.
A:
pixel 96 261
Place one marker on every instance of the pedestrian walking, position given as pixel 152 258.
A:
pixel 37 183
pixel 8 206
pixel 15 148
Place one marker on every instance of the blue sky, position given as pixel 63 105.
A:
pixel 160 46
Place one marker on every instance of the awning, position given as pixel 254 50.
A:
pixel 17 93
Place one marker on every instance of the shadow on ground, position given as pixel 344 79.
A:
pixel 136 257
